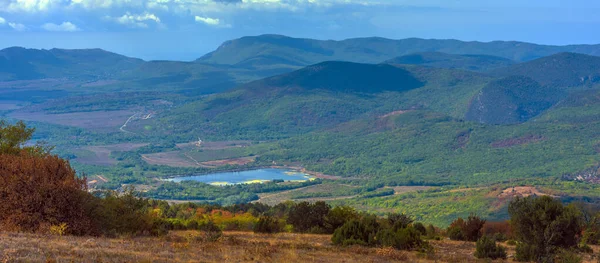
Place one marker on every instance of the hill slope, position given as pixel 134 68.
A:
pixel 512 99
pixel 479 63
pixel 559 70
pixel 22 64
pixel 265 49
pixel 319 97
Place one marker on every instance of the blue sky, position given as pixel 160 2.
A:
pixel 187 29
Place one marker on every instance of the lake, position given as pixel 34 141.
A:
pixel 245 177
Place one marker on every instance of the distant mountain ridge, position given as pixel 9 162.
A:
pixel 302 51
pixel 479 63
pixel 17 63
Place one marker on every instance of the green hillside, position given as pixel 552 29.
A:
pixel 512 99
pixel 479 63
pixel 560 70
pixel 318 97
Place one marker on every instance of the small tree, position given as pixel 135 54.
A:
pixel 399 221
pixel 487 248
pixel 543 225
pixel 472 228
pixel 469 230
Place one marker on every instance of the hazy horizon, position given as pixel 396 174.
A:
pixel 187 29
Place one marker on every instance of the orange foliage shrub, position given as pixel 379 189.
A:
pixel 40 191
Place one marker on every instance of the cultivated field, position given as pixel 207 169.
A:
pixel 172 158
pixel 100 155
pixel 209 154
pixel 102 121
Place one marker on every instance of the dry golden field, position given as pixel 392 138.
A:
pixel 188 246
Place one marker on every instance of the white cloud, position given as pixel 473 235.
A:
pixel 64 27
pixel 136 20
pixel 208 20
pixel 31 5
pixel 2 21
pixel 17 26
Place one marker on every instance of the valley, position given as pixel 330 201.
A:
pixel 402 128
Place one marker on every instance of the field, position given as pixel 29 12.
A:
pixel 208 155
pixel 172 158
pixel 188 246
pixel 95 120
pixel 100 155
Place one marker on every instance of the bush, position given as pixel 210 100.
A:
pixel 455 233
pixel 305 216
pixel 487 248
pixel 267 224
pixel 361 232
pixel 338 216
pixel 469 230
pixel 421 228
pixel 399 221
pixel 568 256
pixel 40 191
pixel 405 239
pixel 431 232
pixel 543 225
pixel 212 232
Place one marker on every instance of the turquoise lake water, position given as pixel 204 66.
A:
pixel 251 176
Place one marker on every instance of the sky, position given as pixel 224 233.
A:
pixel 187 29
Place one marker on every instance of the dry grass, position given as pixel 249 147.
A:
pixel 188 246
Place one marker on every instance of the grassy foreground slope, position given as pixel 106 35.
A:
pixel 234 247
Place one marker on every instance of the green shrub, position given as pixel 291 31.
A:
pixel 568 256
pixel 211 231
pixel 487 248
pixel 431 232
pixel 361 231
pixel 543 226
pixel 455 233
pixel 399 221
pixel 338 216
pixel 305 216
pixel 524 252
pixel 267 224
pixel 420 227
pixel 404 239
